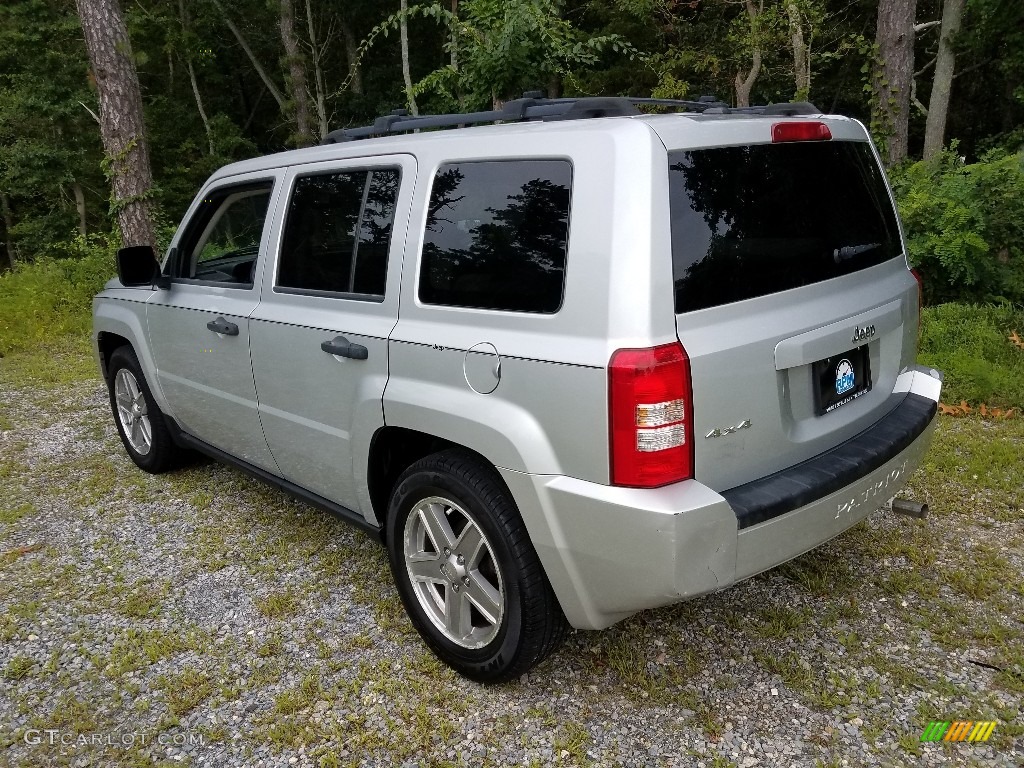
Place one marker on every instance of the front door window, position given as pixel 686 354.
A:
pixel 223 238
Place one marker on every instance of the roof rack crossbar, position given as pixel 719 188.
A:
pixel 533 107
pixel 705 102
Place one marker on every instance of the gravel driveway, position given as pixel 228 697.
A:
pixel 202 618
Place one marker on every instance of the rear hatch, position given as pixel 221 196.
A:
pixel 792 295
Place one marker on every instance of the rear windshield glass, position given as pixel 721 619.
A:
pixel 753 220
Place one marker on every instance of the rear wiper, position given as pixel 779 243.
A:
pixel 849 251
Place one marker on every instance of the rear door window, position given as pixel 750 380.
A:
pixel 753 220
pixel 338 233
pixel 496 235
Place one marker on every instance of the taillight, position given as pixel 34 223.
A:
pixel 801 131
pixel 650 415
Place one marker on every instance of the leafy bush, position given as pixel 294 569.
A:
pixel 970 345
pixel 52 297
pixel 965 225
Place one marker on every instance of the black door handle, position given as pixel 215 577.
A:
pixel 339 345
pixel 222 326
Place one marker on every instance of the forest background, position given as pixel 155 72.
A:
pixel 940 83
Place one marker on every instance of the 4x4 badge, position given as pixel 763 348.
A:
pixel 745 424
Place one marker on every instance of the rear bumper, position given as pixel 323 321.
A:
pixel 610 552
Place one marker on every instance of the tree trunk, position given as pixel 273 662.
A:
pixel 274 90
pixel 199 105
pixel 5 208
pixel 79 193
pixel 296 76
pixel 744 83
pixel 403 30
pixel 554 86
pixel 192 75
pixel 352 57
pixel 318 73
pixel 455 34
pixel 892 74
pixel 121 125
pixel 801 54
pixel 945 63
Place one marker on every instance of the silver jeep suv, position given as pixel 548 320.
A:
pixel 568 365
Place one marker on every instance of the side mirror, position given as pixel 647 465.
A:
pixel 137 266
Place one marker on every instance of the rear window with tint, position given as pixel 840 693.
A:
pixel 754 220
pixel 338 232
pixel 496 235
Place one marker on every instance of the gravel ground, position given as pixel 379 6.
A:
pixel 201 618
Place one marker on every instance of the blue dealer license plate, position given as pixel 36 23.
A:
pixel 841 379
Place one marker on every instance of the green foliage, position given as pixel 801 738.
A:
pixel 506 47
pixel 991 47
pixel 48 140
pixel 969 344
pixel 503 48
pixel 965 225
pixel 964 221
pixel 52 297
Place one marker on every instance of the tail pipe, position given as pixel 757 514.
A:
pixel 907 507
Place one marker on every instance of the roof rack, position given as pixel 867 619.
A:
pixel 532 107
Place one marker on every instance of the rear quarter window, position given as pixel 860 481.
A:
pixel 753 220
pixel 496 235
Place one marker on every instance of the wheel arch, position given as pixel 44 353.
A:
pixel 107 342
pixel 119 323
pixel 393 449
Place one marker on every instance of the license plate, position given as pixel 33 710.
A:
pixel 841 379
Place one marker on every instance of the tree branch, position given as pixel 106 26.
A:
pixel 926 67
pixel 914 100
pixel 971 68
pixel 252 57
pixel 94 115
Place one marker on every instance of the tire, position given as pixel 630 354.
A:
pixel 486 608
pixel 139 420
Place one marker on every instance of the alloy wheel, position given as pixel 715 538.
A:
pixel 453 572
pixel 132 411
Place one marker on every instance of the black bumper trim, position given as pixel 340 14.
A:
pixel 774 495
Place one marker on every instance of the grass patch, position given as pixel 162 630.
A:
pixel 969 344
pixel 300 698
pixel 52 365
pixel 1011 668
pixel 52 297
pixel 71 713
pixel 273 646
pixel 14 513
pixel 18 668
pixel 781 622
pixel 790 667
pixel 983 577
pixel 819 573
pixel 142 601
pixel 184 692
pixel 139 648
pixel 279 605
pixel 980 456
